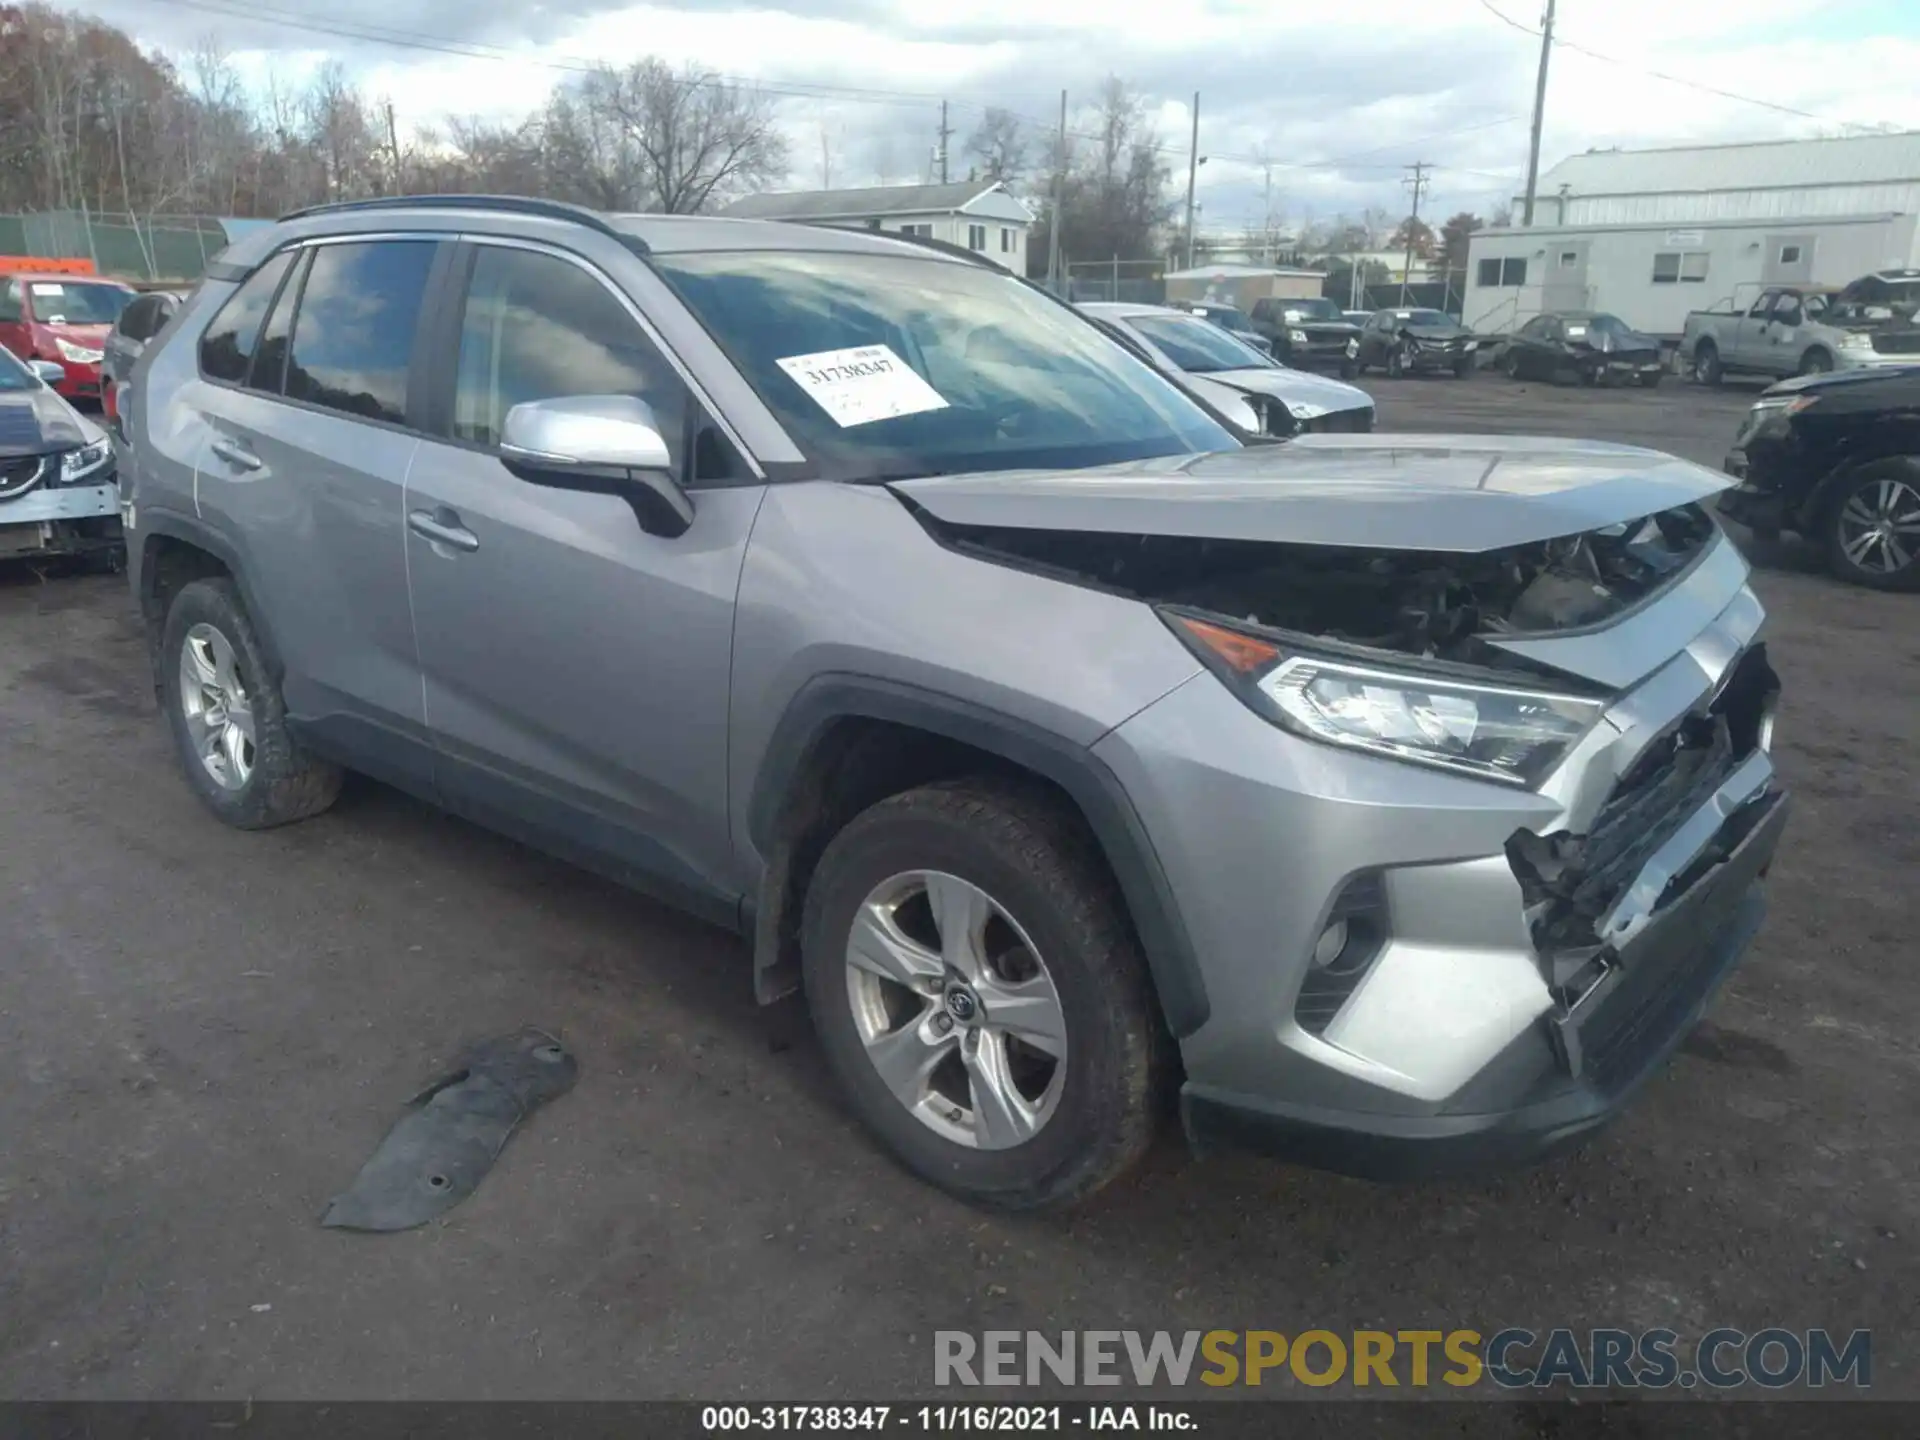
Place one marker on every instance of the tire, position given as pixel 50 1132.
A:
pixel 1051 898
pixel 1462 369
pixel 1651 382
pixel 275 782
pixel 1815 362
pixel 1510 364
pixel 1396 364
pixel 1885 491
pixel 1707 369
pixel 1349 369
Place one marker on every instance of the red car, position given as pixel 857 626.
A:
pixel 63 318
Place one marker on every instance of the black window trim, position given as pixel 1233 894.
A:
pixel 296 276
pixel 200 339
pixel 448 300
pixel 439 238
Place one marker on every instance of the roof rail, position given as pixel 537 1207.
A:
pixel 926 242
pixel 512 204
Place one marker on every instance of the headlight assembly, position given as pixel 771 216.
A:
pixel 77 354
pixel 1487 730
pixel 77 465
pixel 1856 340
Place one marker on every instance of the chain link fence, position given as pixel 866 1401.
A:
pixel 130 247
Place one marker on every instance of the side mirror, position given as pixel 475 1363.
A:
pixel 607 444
pixel 49 372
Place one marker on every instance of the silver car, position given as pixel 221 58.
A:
pixel 1399 802
pixel 1248 386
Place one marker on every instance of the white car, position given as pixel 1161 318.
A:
pixel 1255 391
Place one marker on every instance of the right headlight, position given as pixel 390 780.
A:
pixel 1512 734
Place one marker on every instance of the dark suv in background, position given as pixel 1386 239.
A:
pixel 1309 334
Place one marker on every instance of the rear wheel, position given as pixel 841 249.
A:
pixel 228 720
pixel 1510 364
pixel 1873 526
pixel 1816 362
pixel 1706 364
pixel 980 996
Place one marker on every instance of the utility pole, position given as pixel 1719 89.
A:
pixel 393 139
pixel 945 135
pixel 1193 173
pixel 1417 182
pixel 1539 112
pixel 1059 197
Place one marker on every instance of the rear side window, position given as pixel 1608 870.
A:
pixel 226 347
pixel 269 371
pixel 353 337
pixel 537 327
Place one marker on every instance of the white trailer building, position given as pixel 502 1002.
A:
pixel 1652 234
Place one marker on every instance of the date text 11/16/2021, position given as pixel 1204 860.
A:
pixel 946 1419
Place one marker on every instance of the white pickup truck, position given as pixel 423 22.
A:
pixel 1797 330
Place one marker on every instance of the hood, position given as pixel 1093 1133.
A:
pixel 1295 389
pixel 1843 379
pixel 1436 332
pixel 37 421
pixel 1607 342
pixel 1455 493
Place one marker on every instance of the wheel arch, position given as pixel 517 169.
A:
pixel 1821 495
pixel 174 551
pixel 846 742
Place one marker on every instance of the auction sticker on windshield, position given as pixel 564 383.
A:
pixel 861 385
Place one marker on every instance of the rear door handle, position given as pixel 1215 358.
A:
pixel 236 454
pixel 443 528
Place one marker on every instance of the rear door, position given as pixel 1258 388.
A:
pixel 304 458
pixel 576 667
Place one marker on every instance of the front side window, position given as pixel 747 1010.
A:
pixel 537 327
pixel 898 365
pixel 353 336
pixel 227 344
pixel 1197 346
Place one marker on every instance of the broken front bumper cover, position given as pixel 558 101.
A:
pixel 60 502
pixel 1571 1073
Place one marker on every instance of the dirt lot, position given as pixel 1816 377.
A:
pixel 203 1033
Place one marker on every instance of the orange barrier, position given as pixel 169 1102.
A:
pixel 40 265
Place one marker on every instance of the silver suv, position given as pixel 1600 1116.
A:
pixel 1400 801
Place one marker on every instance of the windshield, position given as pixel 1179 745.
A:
pixel 63 302
pixel 14 375
pixel 1197 347
pixel 1226 316
pixel 1312 309
pixel 883 366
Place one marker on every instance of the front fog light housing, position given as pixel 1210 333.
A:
pixel 1331 945
pixel 1483 729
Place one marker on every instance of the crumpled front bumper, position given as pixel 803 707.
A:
pixel 39 522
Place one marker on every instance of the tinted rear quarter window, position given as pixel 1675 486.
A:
pixel 227 345
pixel 353 337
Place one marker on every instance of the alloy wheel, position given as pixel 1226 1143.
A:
pixel 218 710
pixel 1880 526
pixel 956 1010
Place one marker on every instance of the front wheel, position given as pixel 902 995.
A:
pixel 1462 369
pixel 1873 526
pixel 980 997
pixel 1349 369
pixel 1510 364
pixel 1816 362
pixel 1396 364
pixel 1706 365
pixel 229 723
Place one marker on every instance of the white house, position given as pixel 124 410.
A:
pixel 979 215
pixel 1652 234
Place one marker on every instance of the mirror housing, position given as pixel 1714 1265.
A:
pixel 48 372
pixel 604 444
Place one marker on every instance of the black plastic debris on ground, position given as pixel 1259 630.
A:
pixel 445 1144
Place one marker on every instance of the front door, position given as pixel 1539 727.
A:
pixel 577 668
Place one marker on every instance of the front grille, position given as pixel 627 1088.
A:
pixel 1571 882
pixel 1898 342
pixel 20 474
pixel 1357 421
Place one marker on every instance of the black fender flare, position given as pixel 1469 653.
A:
pixel 1087 781
pixel 189 530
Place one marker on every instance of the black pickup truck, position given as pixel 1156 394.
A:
pixel 1309 334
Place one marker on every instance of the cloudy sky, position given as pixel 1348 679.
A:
pixel 1338 97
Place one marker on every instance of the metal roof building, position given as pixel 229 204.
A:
pixel 1771 180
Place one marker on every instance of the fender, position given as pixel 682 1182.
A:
pixel 1116 825
pixel 1820 494
pixel 173 525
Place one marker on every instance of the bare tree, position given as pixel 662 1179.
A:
pixel 999 143
pixel 700 138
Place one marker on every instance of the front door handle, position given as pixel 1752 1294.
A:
pixel 443 527
pixel 236 454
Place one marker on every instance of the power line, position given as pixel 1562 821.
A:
pixel 1680 80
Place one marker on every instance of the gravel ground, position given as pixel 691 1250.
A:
pixel 203 1033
